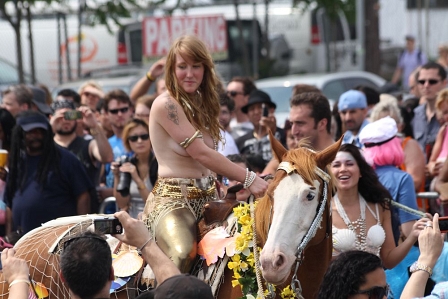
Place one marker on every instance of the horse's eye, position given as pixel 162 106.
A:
pixel 310 196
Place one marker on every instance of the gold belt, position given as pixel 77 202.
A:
pixel 195 188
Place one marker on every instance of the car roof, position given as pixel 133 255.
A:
pixel 316 79
pixel 109 83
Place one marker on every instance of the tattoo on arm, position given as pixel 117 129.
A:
pixel 172 111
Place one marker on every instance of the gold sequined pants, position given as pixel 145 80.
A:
pixel 171 213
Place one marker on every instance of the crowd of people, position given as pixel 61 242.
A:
pixel 160 156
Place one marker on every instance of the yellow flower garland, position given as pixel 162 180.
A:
pixel 242 262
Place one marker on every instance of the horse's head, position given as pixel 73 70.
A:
pixel 292 200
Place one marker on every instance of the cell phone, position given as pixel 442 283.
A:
pixel 443 224
pixel 108 225
pixel 72 115
pixel 265 110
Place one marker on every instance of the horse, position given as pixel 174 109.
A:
pixel 284 217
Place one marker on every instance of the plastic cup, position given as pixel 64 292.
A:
pixel 3 157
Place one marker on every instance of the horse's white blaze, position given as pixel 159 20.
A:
pixel 292 217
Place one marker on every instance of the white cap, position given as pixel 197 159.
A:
pixel 378 132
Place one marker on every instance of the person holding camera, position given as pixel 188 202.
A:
pixel 260 110
pixel 92 153
pixel 135 176
pixel 86 266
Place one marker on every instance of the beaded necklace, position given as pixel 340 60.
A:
pixel 357 225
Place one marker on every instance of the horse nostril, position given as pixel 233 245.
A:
pixel 279 261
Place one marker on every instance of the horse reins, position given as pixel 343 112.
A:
pixel 295 283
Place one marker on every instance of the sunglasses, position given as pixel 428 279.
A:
pixel 70 240
pixel 376 292
pixel 122 110
pixel 88 94
pixel 136 137
pixel 430 81
pixel 234 93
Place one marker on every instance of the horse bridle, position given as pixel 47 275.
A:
pixel 289 169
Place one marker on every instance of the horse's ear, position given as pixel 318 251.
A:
pixel 277 148
pixel 325 157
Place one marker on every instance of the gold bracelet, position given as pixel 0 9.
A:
pixel 141 187
pixel 16 281
pixel 150 77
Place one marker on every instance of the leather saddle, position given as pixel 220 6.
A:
pixel 216 212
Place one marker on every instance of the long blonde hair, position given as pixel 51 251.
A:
pixel 202 114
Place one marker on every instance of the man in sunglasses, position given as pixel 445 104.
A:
pixel 119 110
pixel 431 79
pixel 239 89
pixel 93 152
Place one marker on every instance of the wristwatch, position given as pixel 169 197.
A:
pixel 420 267
pixel 94 131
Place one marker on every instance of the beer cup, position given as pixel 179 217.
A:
pixel 3 157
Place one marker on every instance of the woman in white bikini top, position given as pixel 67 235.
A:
pixel 358 190
pixel 350 238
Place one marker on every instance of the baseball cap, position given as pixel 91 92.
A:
pixel 33 121
pixel 378 132
pixel 39 100
pixel 183 286
pixel 352 99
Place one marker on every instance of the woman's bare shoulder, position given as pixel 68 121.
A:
pixel 163 100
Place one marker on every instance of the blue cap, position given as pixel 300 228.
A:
pixel 352 99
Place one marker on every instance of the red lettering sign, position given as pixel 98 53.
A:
pixel 159 32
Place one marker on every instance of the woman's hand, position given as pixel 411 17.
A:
pixel 430 242
pixel 14 268
pixel 420 225
pixel 130 168
pixel 115 167
pixel 258 187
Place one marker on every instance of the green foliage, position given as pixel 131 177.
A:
pixel 112 10
pixel 332 6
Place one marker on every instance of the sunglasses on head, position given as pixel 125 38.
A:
pixel 430 81
pixel 376 292
pixel 136 137
pixel 70 240
pixel 234 93
pixel 122 110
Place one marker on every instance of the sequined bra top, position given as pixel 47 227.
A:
pixel 348 239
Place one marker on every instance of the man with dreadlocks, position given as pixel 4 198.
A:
pixel 45 181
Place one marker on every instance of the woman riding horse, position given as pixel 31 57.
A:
pixel 184 130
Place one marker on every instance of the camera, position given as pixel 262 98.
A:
pixel 443 224
pixel 108 225
pixel 124 181
pixel 265 110
pixel 72 115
